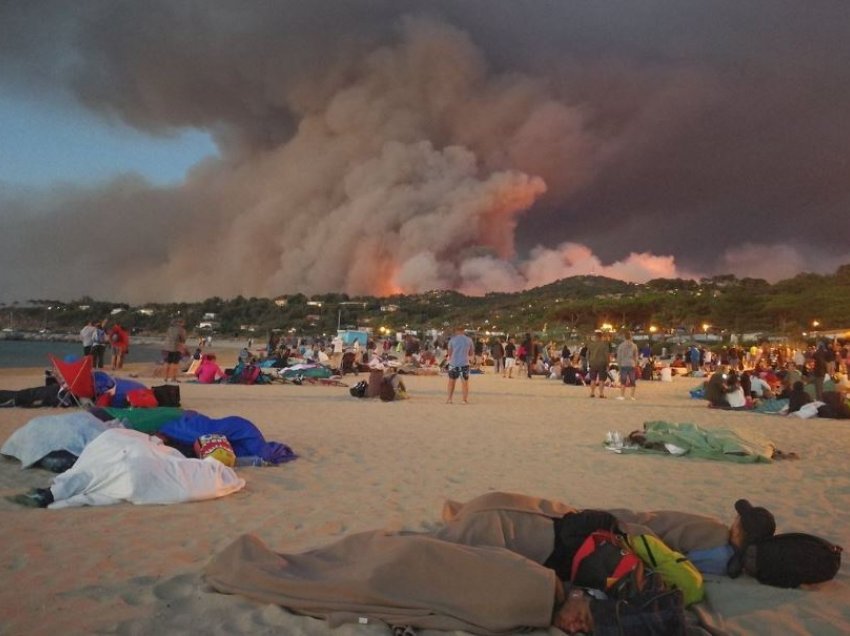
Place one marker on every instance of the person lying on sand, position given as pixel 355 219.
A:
pixel 125 465
pixel 51 394
pixel 493 567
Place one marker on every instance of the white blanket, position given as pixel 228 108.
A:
pixel 42 435
pixel 126 465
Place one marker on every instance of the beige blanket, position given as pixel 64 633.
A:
pixel 479 573
pixel 401 579
pixel 470 576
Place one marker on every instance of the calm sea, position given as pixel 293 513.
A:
pixel 29 353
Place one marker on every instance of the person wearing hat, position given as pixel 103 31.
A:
pixel 752 525
pixel 711 545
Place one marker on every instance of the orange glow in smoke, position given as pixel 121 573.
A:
pixel 497 222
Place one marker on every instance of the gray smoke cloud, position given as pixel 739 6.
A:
pixel 377 147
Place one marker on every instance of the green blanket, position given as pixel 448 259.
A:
pixel 146 420
pixel 722 444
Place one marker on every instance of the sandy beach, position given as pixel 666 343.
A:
pixel 367 464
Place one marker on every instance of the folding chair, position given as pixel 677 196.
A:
pixel 75 377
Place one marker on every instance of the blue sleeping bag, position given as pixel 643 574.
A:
pixel 246 439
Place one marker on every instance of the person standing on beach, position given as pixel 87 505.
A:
pixel 120 340
pixel 510 358
pixel 174 347
pixel 627 359
pixel 497 351
pixel 528 353
pixel 597 362
pixel 87 334
pixel 98 345
pixel 460 350
pixel 819 369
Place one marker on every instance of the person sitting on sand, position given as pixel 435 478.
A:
pixel 716 389
pixel 790 377
pixel 570 374
pixel 759 389
pixel 835 405
pixel 798 397
pixel 208 372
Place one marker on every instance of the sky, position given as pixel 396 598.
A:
pixel 44 142
pixel 160 151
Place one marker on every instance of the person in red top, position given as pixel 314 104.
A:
pixel 119 338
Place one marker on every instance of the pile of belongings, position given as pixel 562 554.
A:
pixel 102 460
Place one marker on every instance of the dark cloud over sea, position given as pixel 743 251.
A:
pixel 373 147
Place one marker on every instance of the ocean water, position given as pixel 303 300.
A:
pixel 30 353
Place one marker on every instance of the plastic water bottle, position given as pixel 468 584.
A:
pixel 249 460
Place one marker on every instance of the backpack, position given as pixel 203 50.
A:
pixel 792 559
pixel 570 532
pixel 673 567
pixel 167 394
pixel 605 562
pixel 359 389
pixel 653 611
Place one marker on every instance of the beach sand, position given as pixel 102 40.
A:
pixel 367 464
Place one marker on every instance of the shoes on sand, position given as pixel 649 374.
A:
pixel 36 498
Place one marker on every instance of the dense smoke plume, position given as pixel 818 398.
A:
pixel 380 147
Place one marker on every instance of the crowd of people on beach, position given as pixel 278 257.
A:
pixel 816 375
pixel 734 377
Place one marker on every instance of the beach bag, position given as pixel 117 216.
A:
pixel 792 559
pixel 571 530
pixel 141 398
pixel 359 389
pixel 654 611
pixel 605 562
pixel 673 567
pixel 216 446
pixel 250 373
pixel 167 394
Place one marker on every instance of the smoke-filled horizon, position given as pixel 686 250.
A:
pixel 398 146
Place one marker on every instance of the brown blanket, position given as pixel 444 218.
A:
pixel 520 523
pixel 479 573
pixel 401 579
pixel 682 531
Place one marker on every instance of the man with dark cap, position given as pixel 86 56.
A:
pixel 752 525
pixel 711 545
